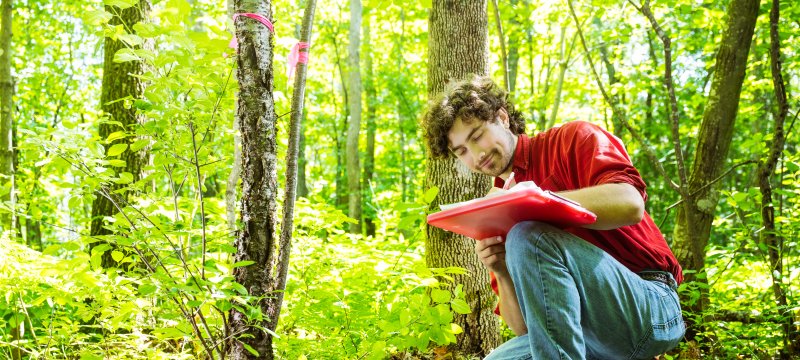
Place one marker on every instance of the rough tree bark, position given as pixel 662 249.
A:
pixel 119 81
pixel 458 46
pixel 6 117
pixel 354 125
pixel 256 240
pixel 693 220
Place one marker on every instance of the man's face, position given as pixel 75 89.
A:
pixel 485 147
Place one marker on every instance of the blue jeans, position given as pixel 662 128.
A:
pixel 578 302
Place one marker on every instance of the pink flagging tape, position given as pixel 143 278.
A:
pixel 296 57
pixel 260 18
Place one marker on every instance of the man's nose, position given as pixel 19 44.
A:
pixel 479 156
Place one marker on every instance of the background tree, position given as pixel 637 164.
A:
pixel 257 241
pixel 694 217
pixel 6 117
pixel 459 46
pixel 369 156
pixel 122 84
pixel 354 122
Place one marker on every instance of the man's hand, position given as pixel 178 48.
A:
pixel 492 253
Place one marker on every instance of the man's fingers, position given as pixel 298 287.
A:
pixel 490 241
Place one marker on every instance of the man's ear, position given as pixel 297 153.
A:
pixel 502 114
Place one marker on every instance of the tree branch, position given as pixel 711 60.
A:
pixel 617 113
pixel 673 101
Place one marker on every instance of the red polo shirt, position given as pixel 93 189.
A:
pixel 578 155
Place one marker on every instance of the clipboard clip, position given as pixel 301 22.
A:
pixel 562 198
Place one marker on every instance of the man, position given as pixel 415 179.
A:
pixel 603 291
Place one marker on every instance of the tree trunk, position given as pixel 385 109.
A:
pixel 458 46
pixel 513 50
pixel 502 39
pixel 693 221
pixel 302 187
pixel 338 137
pixel 770 235
pixel 287 225
pixel 119 81
pixel 256 242
pixel 369 158
pixel 354 125
pixel 6 118
pixel 563 60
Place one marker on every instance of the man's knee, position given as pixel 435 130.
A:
pixel 524 232
pixel 523 236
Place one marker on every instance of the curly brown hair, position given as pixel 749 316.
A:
pixel 475 97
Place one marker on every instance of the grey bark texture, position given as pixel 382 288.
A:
pixel 458 46
pixel 292 154
pixel 256 240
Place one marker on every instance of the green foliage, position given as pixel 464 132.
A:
pixel 363 297
pixel 347 296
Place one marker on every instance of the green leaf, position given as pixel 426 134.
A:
pixel 460 306
pixel 131 39
pixel 117 255
pixel 249 349
pixel 145 54
pixel 124 178
pixel 430 195
pixel 243 263
pixel 88 355
pixel 142 104
pixel 147 289
pixel 117 149
pixel 139 144
pixel 98 17
pixel 122 4
pixel 145 29
pixel 115 135
pixel 440 296
pixel 124 55
pixel 116 163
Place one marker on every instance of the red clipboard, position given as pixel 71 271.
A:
pixel 495 215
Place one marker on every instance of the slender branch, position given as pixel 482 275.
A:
pixel 673 101
pixel 202 202
pixel 298 97
pixel 617 113
pixel 501 36
pixel 712 182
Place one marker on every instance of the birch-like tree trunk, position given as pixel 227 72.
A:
pixel 354 125
pixel 693 221
pixel 458 46
pixel 120 81
pixel 255 112
pixel 6 117
pixel 287 225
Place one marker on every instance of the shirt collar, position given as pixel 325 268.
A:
pixel 521 153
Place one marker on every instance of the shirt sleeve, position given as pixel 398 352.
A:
pixel 600 158
pixel 495 289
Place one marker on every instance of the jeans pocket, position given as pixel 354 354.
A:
pixel 667 323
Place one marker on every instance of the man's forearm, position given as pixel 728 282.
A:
pixel 509 306
pixel 615 205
